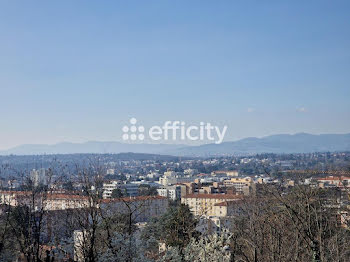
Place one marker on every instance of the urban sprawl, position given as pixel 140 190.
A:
pixel 140 207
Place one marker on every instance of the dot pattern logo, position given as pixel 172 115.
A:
pixel 133 132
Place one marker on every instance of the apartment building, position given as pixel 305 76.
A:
pixel 227 208
pixel 336 181
pixel 242 185
pixel 129 189
pixel 109 187
pixel 142 208
pixel 210 225
pixel 39 176
pixel 171 192
pixel 65 201
pixel 228 173
pixel 46 201
pixel 204 204
pixel 167 180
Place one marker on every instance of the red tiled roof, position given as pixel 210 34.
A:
pixel 226 203
pixel 82 197
pixel 334 178
pixel 225 171
pixel 214 196
pixel 23 193
pixel 48 195
pixel 66 196
pixel 133 199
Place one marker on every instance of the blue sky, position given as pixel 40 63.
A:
pixel 78 70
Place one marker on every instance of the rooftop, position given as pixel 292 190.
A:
pixel 226 203
pixel 334 178
pixel 133 199
pixel 214 196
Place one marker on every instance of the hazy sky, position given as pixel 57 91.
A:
pixel 78 70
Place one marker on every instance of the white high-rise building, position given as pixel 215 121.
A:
pixel 110 171
pixel 108 188
pixel 169 178
pixel 171 192
pixel 39 176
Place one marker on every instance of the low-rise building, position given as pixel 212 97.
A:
pixel 46 201
pixel 334 181
pixel 228 173
pixel 210 225
pixel 227 208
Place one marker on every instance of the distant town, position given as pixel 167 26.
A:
pixel 175 131
pixel 76 200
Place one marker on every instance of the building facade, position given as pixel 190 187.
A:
pixel 204 204
pixel 171 192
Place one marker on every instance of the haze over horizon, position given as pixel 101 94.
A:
pixel 167 142
pixel 78 71
pixel 278 144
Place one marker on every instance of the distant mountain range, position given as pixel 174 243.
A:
pixel 90 147
pixel 298 143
